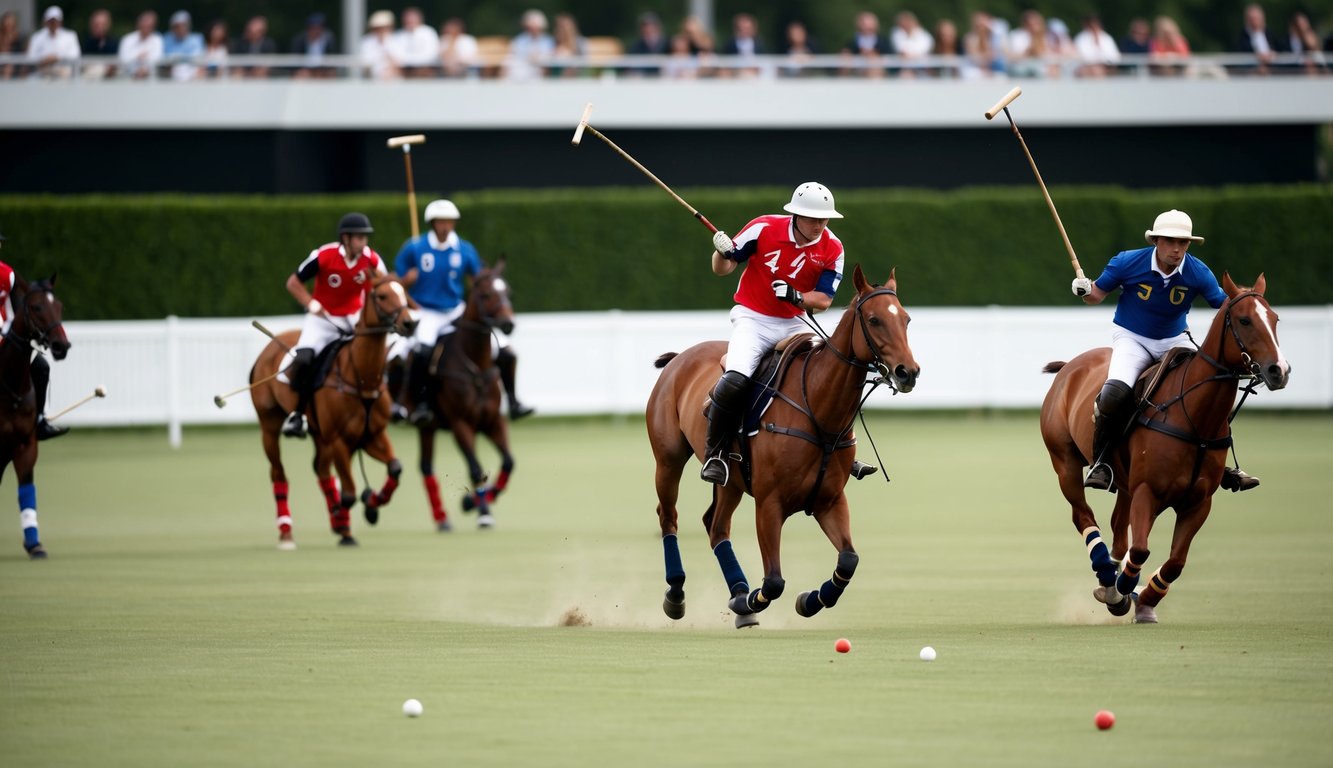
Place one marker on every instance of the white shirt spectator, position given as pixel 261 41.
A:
pixel 139 54
pixel 460 51
pixel 419 47
pixel 1096 47
pixel 914 44
pixel 63 45
pixel 382 56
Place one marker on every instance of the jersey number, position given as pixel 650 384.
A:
pixel 427 262
pixel 1146 292
pixel 1178 294
pixel 772 263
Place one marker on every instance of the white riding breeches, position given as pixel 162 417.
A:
pixel 1132 353
pixel 753 334
pixel 317 332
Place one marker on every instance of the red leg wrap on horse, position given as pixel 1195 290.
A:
pixel 329 487
pixel 386 492
pixel 502 481
pixel 284 511
pixel 433 495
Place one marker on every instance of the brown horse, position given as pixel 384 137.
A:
pixel 1175 456
pixel 348 412
pixel 38 317
pixel 800 457
pixel 465 390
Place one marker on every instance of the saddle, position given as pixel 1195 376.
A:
pixel 1152 376
pixel 768 375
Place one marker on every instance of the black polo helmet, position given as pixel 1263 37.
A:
pixel 355 223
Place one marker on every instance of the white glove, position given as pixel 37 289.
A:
pixel 786 293
pixel 314 307
pixel 722 243
pixel 1082 286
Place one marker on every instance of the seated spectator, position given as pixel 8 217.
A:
pixel 569 45
pixel 983 45
pixel 1167 43
pixel 141 50
pixel 1303 40
pixel 799 49
pixel 701 42
pixel 216 44
pixel 744 45
pixel 1255 38
pixel 459 55
pixel 1061 46
pixel 99 42
pixel 418 45
pixel 948 45
pixel 650 42
pixel 911 42
pixel 53 50
pixel 531 49
pixel 11 42
pixel 254 41
pixel 1137 38
pixel 1030 51
pixel 314 43
pixel 1096 49
pixel 379 50
pixel 181 46
pixel 868 46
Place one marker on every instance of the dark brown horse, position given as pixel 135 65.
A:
pixel 800 457
pixel 38 315
pixel 349 412
pixel 1175 455
pixel 465 387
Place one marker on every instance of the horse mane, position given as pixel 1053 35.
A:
pixel 663 359
pixel 1052 367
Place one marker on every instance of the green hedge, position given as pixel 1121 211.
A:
pixel 149 256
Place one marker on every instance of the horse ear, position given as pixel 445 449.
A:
pixel 53 278
pixel 859 279
pixel 1228 285
pixel 1260 284
pixel 500 265
pixel 893 279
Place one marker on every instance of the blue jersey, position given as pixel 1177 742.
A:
pixel 1152 305
pixel 440 269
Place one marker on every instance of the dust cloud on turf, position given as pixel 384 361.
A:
pixel 1074 604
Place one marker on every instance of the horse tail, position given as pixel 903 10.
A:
pixel 663 359
pixel 1052 367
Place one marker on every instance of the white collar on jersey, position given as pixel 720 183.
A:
pixel 1165 276
pixel 791 233
pixel 350 260
pixel 450 241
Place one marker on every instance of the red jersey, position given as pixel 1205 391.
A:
pixel 768 246
pixel 339 286
pixel 6 285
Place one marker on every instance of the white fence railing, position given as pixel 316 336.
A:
pixel 168 371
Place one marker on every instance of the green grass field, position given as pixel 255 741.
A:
pixel 166 629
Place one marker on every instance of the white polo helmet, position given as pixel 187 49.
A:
pixel 442 209
pixel 814 200
pixel 1173 223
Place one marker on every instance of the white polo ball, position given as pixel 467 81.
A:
pixel 927 654
pixel 412 708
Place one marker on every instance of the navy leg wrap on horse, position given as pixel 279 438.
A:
pixel 731 568
pixel 675 570
pixel 1100 556
pixel 28 514
pixel 770 591
pixel 1129 578
pixel 831 590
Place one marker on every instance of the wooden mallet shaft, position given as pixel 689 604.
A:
pixel 1003 104
pixel 584 125
pixel 98 392
pixel 406 143
pixel 221 400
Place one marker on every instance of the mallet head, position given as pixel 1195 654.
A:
pixel 583 123
pixel 406 142
pixel 100 392
pixel 219 402
pixel 1002 103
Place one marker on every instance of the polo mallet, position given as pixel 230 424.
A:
pixel 260 327
pixel 406 143
pixel 1003 104
pixel 98 392
pixel 221 400
pixel 584 125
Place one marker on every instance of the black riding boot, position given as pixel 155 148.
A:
pixel 299 373
pixel 397 376
pixel 1112 412
pixel 507 361
pixel 418 384
pixel 724 418
pixel 1235 479
pixel 41 376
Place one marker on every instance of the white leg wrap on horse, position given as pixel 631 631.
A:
pixel 28 518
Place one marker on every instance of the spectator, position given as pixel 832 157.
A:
pixel 1030 51
pixel 1096 49
pixel 702 45
pixel 868 45
pixel 569 45
pixel 1303 40
pixel 379 50
pixel 315 42
pixel 141 50
pixel 1255 38
pixel 531 49
pixel 458 50
pixel 682 62
pixel 1137 38
pixel 799 49
pixel 948 45
pixel 650 42
pixel 99 42
pixel 53 49
pixel 1167 44
pixel 216 44
pixel 984 47
pixel 744 45
pixel 254 41
pixel 911 42
pixel 418 45
pixel 182 46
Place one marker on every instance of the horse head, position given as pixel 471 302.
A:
pixel 489 298
pixel 883 336
pixel 38 316
pixel 1247 340
pixel 390 306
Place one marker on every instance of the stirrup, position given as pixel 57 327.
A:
pixel 46 430
pixel 860 469
pixel 1235 479
pixel 716 470
pixel 294 426
pixel 1100 477
pixel 420 414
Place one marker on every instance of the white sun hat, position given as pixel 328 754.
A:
pixel 1173 223
pixel 814 200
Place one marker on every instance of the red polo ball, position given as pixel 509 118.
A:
pixel 843 645
pixel 1104 719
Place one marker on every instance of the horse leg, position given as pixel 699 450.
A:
pixel 426 439
pixel 718 522
pixel 466 438
pixel 1143 508
pixel 667 483
pixel 278 476
pixel 339 523
pixel 768 526
pixel 498 434
pixel 1188 523
pixel 836 522
pixel 381 450
pixel 25 459
pixel 1068 464
pixel 342 463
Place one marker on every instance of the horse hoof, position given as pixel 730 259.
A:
pixel 347 541
pixel 37 553
pixel 675 610
pixel 485 521
pixel 800 605
pixel 1144 614
pixel 372 511
pixel 746 620
pixel 286 543
pixel 1121 608
pixel 444 526
pixel 740 605
pixel 468 503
